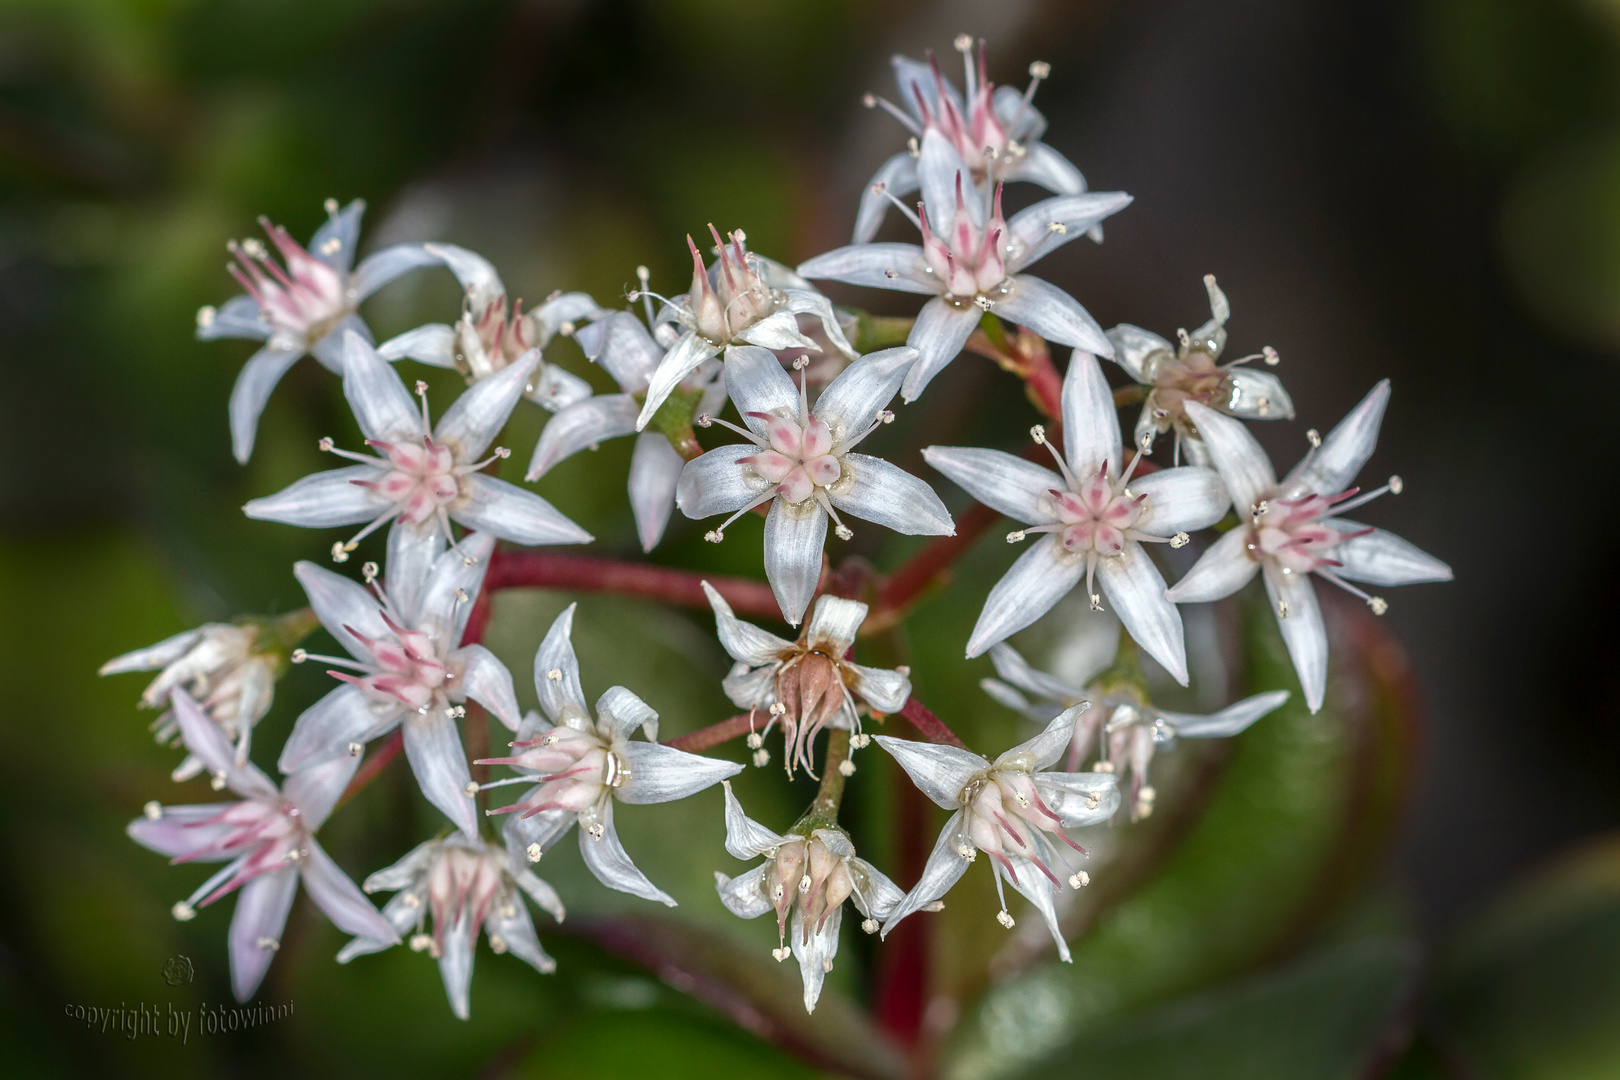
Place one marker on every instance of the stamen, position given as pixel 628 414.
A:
pixel 1394 487
pixel 881 188
pixel 876 101
pixel 1038 433
pixel 842 531
pixel 714 536
pixel 644 276
pixel 884 416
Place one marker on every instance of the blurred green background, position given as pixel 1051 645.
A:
pixel 1419 883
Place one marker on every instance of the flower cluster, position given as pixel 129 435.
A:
pixel 811 391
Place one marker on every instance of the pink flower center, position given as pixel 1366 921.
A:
pixel 577 771
pixel 1002 808
pixel 798 458
pixel 966 259
pixel 739 297
pixel 495 338
pixel 407 669
pixel 305 300
pixel 422 478
pixel 1096 517
pixel 1292 532
pixel 463 883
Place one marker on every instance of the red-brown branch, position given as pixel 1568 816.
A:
pixel 694 742
pixel 376 763
pixel 510 569
pixel 932 727
pixel 903 586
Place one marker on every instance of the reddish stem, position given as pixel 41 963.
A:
pixel 903 586
pixel 510 569
pixel 694 742
pixel 376 763
pixel 932 727
pixel 902 981
pixel 1045 385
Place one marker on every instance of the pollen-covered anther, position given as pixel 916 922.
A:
pixel 268 944
pixel 533 852
pixel 1378 604
pixel 1396 485
pixel 781 954
pixel 153 810
pixel 870 926
pixel 1038 433
pixel 1005 919
pixel 355 749
pixel 1079 880
pixel 1016 536
pixel 205 316
pixel 1313 437
pixel 554 675
pixel 1270 355
pixel 183 912
pixel 846 767
pixel 471 789
pixel 1180 540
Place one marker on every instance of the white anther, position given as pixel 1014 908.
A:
pixel 755 740
pixel 356 749
pixel 326 445
pixel 183 912
pixel 1270 354
pixel 253 248
pixel 777 708
pixel 1282 609
pixel 298 656
pixel 801 361
pixel 826 965
pixel 497 943
pixel 421 387
pixel 847 767
pixel 804 883
pixel 1057 227
pixel 205 316
pixel 1180 540
pixel 1313 437
pixel 1395 485
pixel 886 415
pixel 1040 69
pixel 762 758
pixel 1263 406
pixel 501 451
pixel 703 420
pixel 268 944
pixel 596 831
pixel 420 942
pixel 1259 509
pixel 461 596
pixel 369 571
pixel 332 246
pixel 1378 604
pixel 1038 433
pixel 714 536
pixel 1183 337
pixel 860 742
pixel 869 925
pixel 1016 536
pixel 410 900
pixel 843 532
pixel 469 560
pixel 1096 602
pixel 153 810
pixel 1091 802
pixel 1103 767
pixel 911 145
pixel 984 302
pixel 533 852
pixel 1080 880
pixel 217 781
pixel 331 206
pixel 1004 919
pixel 870 101
pixel 781 954
pixel 1147 794
pixel 555 674
pixel 963 42
pixel 891 275
pixel 937 905
pixel 1144 809
pixel 471 790
pixel 340 552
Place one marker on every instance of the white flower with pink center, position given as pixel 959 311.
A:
pixel 303 306
pixel 461 886
pixel 810 870
pixel 996 131
pixel 1293 530
pixel 1190 371
pixel 423 476
pixel 1013 810
pixel 742 300
pixel 492 334
pixel 800 460
pixel 972 260
pixel 1092 518
pixel 408 667
pixel 267 843
pixel 578 767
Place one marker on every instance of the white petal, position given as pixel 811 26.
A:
pixel 878 266
pixel 456 961
pixel 611 864
pixel 544 829
pixel 1003 482
pixel 329 349
pixel 1135 588
pixel 1073 216
pixel 341 603
pixel 204 739
pixel 433 344
pixel 574 307
pixel 1053 314
pixel 581 425
pixel 457 573
pixel 1182 499
pixel 321 500
pixel 412 551
pixel 1229 721
pixel 915 78
pixel 1043 750
pixel 944 868
pixel 540 892
pixel 521 940
pixel 433 745
pixel 1070 796
pixel 237 317
pixel 342 901
pixel 1135 347
pixel 757 384
pixel 1016 670
pixel 325 730
pixel 479 281
pixel 406 870
pixel 621 345
pixel 889 496
pixel 938 335
pixel 1045 166
pixel 681 360
pixel 745 837
pixel 1002 694
pixel 509 512
pixel 940 772
pixel 743 640
pixel 655 471
pixel 715 483
pixel 487 682
pixel 1345 450
pixel 815 956
pixel 1256 395
pixel 259 377
pixel 1041 577
pixel 1039 891
pixel 1222 570
pixel 185 832
pixel 1382 558
pixel 750 688
pixel 794 538
pixel 853 400
pixel 561 694
pixel 1090 421
pixel 883 690
pixel 938 166
pixel 343 227
pixel 261 916
pixel 378 269
pixel 620 713
pixel 153 657
pixel 744 895
pixel 661 773
pixel 1302 630
pixel 833 624
pixel 384 409
pixel 316 789
pixel 472 423
pixel 777 331
pixel 876 896
pixel 1237 456
pixel 554 388
pixel 896 176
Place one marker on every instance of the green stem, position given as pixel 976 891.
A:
pixel 874 332
pixel 823 812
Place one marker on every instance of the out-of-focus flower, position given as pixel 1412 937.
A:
pixel 628 352
pixel 1123 724
pixel 813 867
pixel 801 461
pixel 229 669
pixel 580 767
pixel 971 261
pixel 741 300
pixel 1293 530
pixel 305 307
pixel 1094 517
pixel 1011 809
pixel 805 684
pixel 1176 375
pixel 426 475
pixel 996 131
pixel 463 885
pixel 492 335
pixel 409 667
pixel 268 838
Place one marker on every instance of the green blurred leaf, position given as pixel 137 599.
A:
pixel 669 1046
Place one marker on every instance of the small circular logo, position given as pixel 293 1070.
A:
pixel 177 970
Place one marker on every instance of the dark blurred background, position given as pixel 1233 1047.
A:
pixel 1428 191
